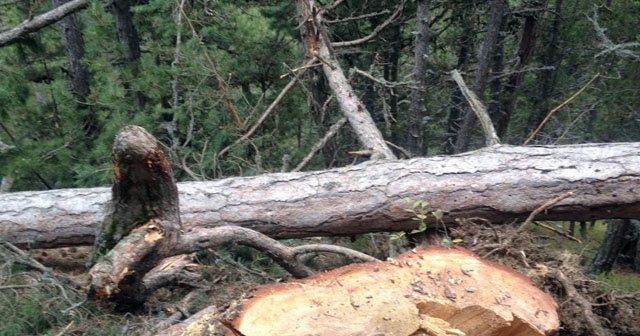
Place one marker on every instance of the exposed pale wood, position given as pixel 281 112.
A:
pixel 431 292
pixel 501 184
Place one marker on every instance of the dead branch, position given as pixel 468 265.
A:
pixel 22 258
pixel 375 31
pixel 285 256
pixel 544 207
pixel 205 316
pixel 212 67
pixel 554 110
pixel 621 50
pixel 318 44
pixel 383 81
pixel 478 108
pixel 359 17
pixel 506 244
pixel 551 228
pixel 321 143
pixel 269 109
pixel 41 21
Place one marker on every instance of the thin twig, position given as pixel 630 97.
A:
pixel 564 234
pixel 303 67
pixel 221 84
pixel 557 108
pixel 359 17
pixel 544 207
pixel 375 31
pixel 383 81
pixel 321 143
pixel 266 113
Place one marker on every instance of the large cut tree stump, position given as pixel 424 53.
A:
pixel 143 222
pixel 426 292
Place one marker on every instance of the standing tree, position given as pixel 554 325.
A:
pixel 417 110
pixel 488 49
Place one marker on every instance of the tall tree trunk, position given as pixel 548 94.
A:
pixel 457 102
pixel 321 116
pixel 416 142
pixel 391 56
pixel 534 11
pixel 495 84
pixel 77 72
pixel 551 59
pixel 318 45
pixel 610 248
pixel 496 10
pixel 128 35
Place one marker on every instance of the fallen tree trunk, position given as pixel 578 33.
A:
pixel 426 292
pixel 499 183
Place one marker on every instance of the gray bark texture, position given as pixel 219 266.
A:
pixel 77 72
pixel 417 110
pixel 500 183
pixel 487 51
pixel 40 21
pixel 317 41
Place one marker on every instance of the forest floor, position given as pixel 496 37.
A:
pixel 37 303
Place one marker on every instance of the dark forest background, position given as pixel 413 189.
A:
pixel 198 74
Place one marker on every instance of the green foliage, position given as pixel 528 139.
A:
pixel 251 45
pixel 421 213
pixel 624 283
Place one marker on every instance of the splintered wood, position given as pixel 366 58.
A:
pixel 427 292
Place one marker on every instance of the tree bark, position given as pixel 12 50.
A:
pixel 77 72
pixel 610 248
pixel 528 37
pixel 485 55
pixel 128 35
pixel 417 109
pixel 143 222
pixel 27 27
pixel 501 184
pixel 318 45
pixel 466 20
pixel 144 189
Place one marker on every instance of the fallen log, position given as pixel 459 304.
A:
pixel 432 292
pixel 499 183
